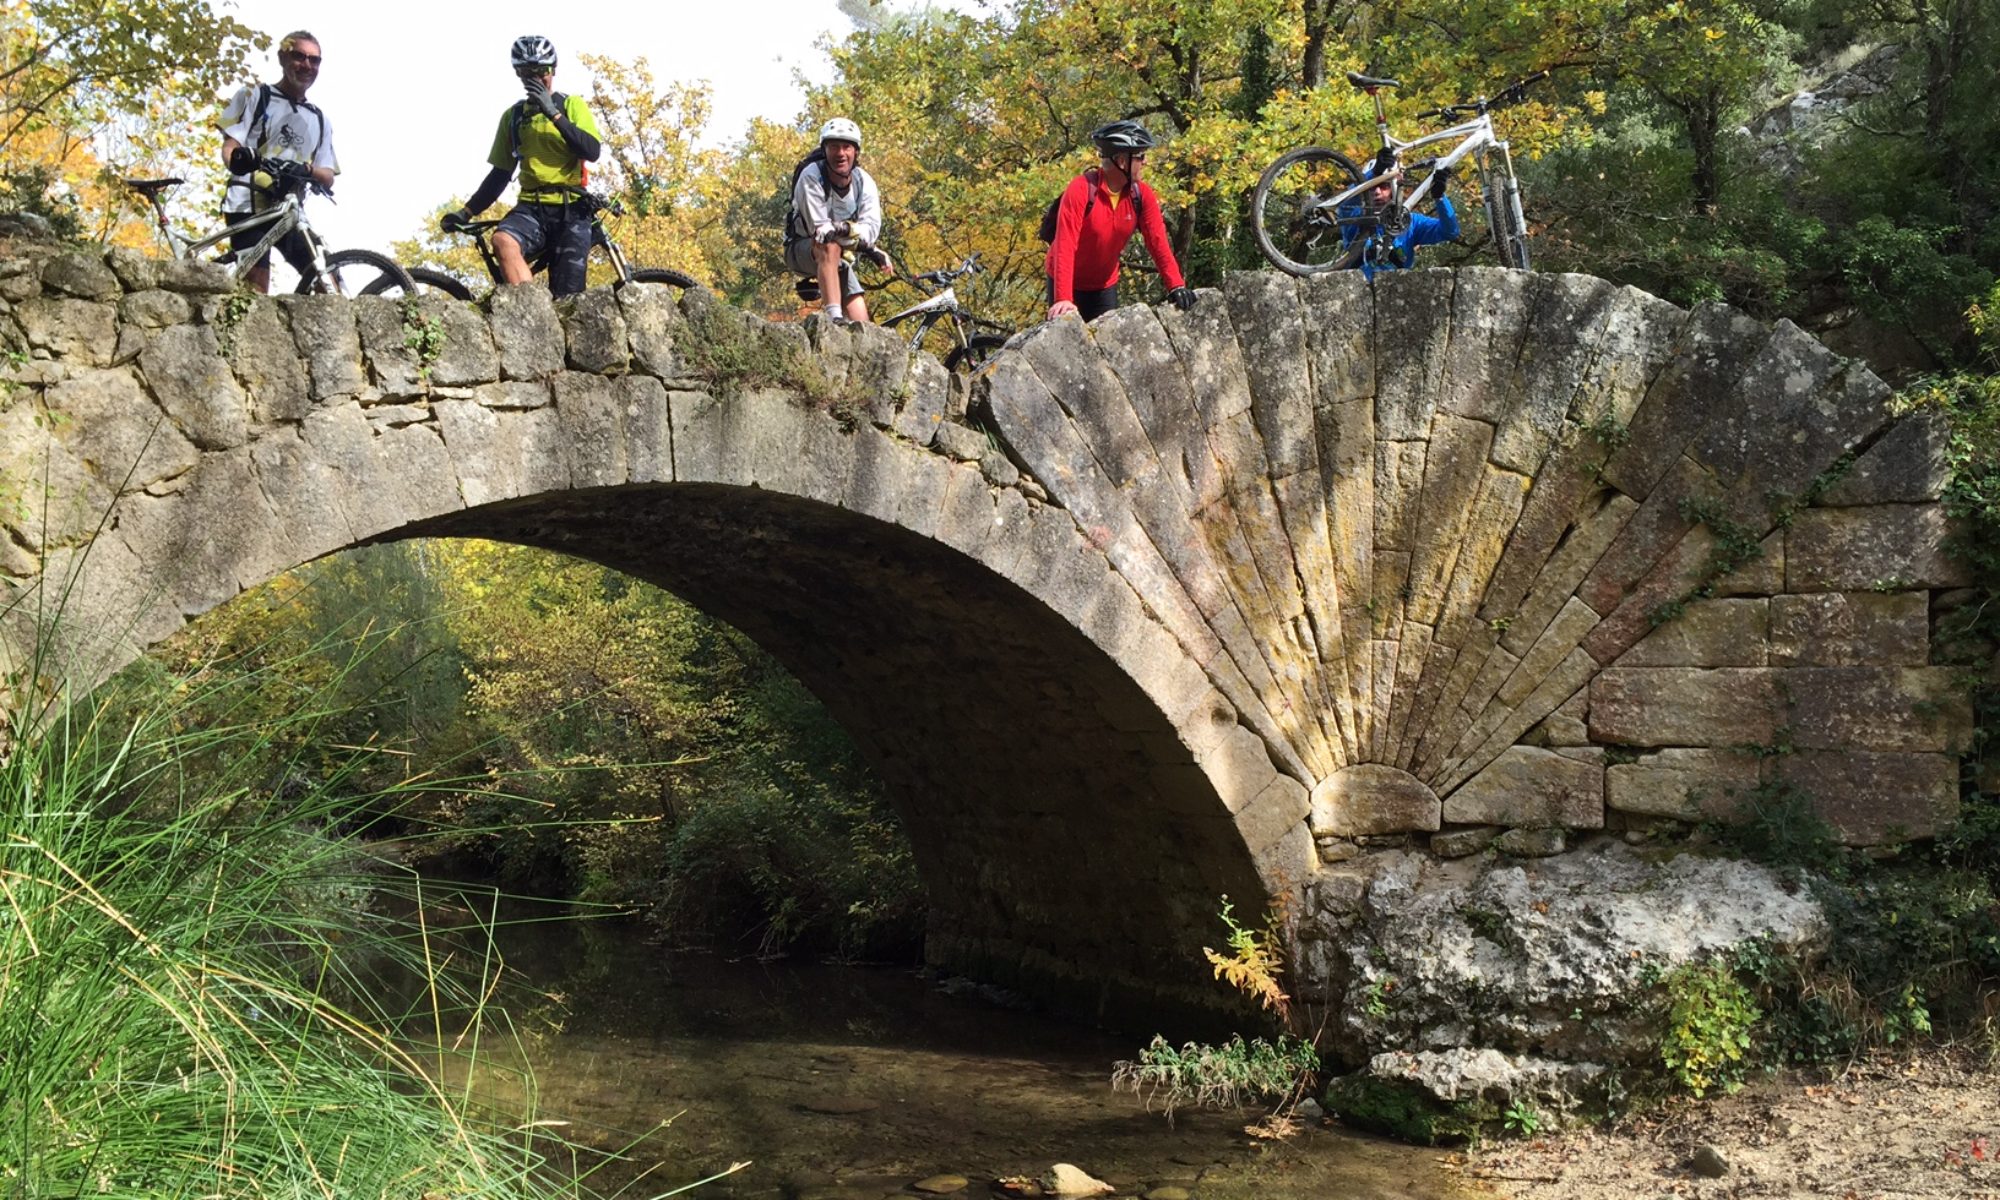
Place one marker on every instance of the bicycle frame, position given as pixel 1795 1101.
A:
pixel 288 215
pixel 481 231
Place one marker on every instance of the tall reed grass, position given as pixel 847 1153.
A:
pixel 193 975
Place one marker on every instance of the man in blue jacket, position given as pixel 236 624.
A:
pixel 1422 230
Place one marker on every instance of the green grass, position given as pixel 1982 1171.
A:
pixel 195 971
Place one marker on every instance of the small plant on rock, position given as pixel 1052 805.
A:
pixel 1710 1015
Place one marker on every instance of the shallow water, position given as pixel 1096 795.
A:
pixel 848 1083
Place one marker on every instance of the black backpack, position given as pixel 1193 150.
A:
pixel 818 155
pixel 1048 230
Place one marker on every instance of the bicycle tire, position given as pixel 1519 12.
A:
pixel 427 280
pixel 663 275
pixel 359 273
pixel 1510 241
pixel 1295 234
pixel 973 355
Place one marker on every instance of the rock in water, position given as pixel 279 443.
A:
pixel 1066 1180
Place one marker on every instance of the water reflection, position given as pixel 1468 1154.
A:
pixel 846 1083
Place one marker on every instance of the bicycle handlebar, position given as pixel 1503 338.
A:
pixel 1512 94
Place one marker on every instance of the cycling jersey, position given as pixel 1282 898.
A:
pixel 1423 231
pixel 1084 255
pixel 549 168
pixel 289 130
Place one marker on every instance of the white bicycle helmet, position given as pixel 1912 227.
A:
pixel 840 129
pixel 533 51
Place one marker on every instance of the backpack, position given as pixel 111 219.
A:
pixel 1048 230
pixel 522 111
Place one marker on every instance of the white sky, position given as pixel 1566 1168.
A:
pixel 414 90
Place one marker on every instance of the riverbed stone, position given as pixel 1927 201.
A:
pixel 941 1185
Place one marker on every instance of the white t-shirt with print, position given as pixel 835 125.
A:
pixel 291 133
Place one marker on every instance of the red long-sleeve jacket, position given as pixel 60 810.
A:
pixel 1084 255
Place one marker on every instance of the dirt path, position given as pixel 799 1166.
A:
pixel 1891 1126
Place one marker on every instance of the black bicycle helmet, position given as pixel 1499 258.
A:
pixel 1122 137
pixel 533 51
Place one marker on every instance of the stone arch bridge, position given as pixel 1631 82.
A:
pixel 1192 604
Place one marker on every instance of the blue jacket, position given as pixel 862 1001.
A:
pixel 1423 231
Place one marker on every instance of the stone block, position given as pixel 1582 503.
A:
pixel 1707 633
pixel 514 394
pixel 501 454
pixel 527 331
pixel 1532 843
pixel 595 323
pixel 1877 708
pixel 925 391
pixel 1275 814
pixel 58 497
pixel 1555 584
pixel 394 365
pixel 1711 352
pixel 1368 798
pixel 1906 465
pixel 1685 784
pixel 82 274
pixel 652 322
pixel 1686 706
pixel 1894 546
pixel 1412 313
pixel 303 492
pixel 81 332
pixel 1530 787
pixel 189 379
pixel 1270 329
pixel 116 431
pixel 154 309
pixel 592 415
pixel 1460 843
pixel 261 351
pixel 1240 769
pixel 466 355
pixel 324 333
pixel 1850 629
pixel 1873 798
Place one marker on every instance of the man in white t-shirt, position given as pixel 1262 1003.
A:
pixel 275 121
pixel 836 208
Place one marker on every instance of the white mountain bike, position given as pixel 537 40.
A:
pixel 1311 209
pixel 284 184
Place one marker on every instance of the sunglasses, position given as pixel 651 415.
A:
pixel 311 60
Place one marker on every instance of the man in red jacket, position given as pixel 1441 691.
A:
pixel 1097 215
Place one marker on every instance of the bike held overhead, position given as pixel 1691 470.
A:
pixel 276 122
pixel 550 139
pixel 836 212
pixel 1096 216
pixel 1397 249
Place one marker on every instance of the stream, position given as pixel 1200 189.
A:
pixel 853 1083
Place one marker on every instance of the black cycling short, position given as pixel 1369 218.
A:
pixel 563 230
pixel 292 245
pixel 1090 305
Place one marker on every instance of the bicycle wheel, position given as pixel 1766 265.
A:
pixel 1510 240
pixel 663 275
pixel 426 280
pixel 971 356
pixel 360 273
pixel 1294 228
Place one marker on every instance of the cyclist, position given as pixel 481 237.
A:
pixel 1097 215
pixel 1422 230
pixel 836 208
pixel 275 121
pixel 549 137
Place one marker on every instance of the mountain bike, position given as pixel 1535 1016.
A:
pixel 283 185
pixel 481 234
pixel 940 306
pixel 1311 212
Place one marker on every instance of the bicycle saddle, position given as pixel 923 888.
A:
pixel 150 188
pixel 1365 82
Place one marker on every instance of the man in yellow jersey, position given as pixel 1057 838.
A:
pixel 550 137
